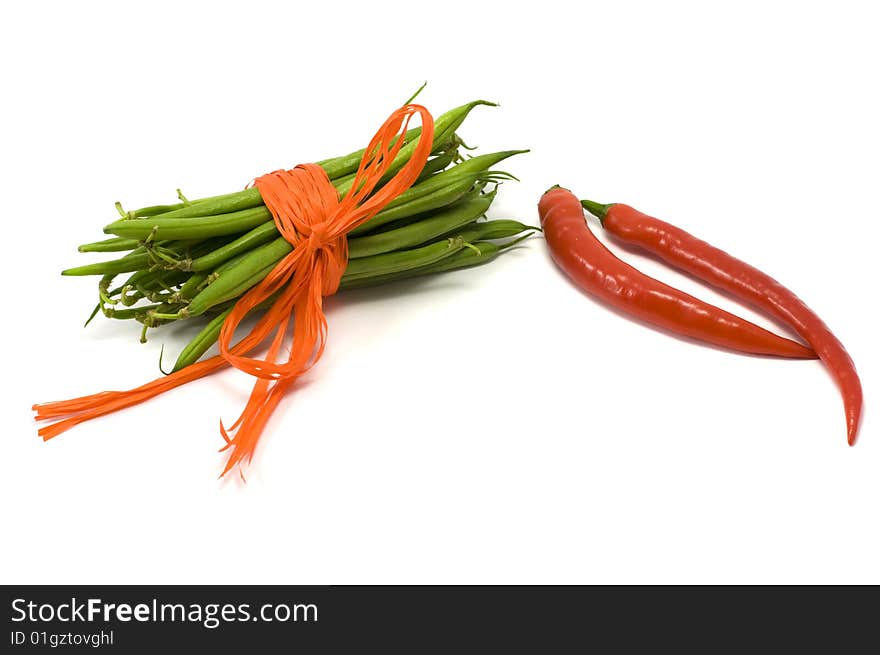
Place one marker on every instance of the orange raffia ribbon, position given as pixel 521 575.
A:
pixel 308 213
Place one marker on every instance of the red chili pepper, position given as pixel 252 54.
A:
pixel 597 271
pixel 705 262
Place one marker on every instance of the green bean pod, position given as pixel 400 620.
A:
pixel 425 229
pixel 155 210
pixel 474 165
pixel 136 260
pixel 191 287
pixel 456 189
pixel 200 344
pixel 113 244
pixel 248 241
pixel 234 277
pixel 226 203
pixel 404 260
pixel 163 227
pixel 445 127
pixel 497 229
pixel 142 258
pixel 485 252
pixel 446 154
pixel 437 191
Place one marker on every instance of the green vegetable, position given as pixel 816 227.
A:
pixel 194 259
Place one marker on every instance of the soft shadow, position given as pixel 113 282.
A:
pixel 385 291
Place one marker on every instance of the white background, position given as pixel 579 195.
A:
pixel 487 426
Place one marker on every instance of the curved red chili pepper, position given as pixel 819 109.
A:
pixel 596 270
pixel 706 262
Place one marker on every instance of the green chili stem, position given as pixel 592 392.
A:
pixel 598 210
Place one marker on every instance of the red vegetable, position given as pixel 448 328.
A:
pixel 577 251
pixel 704 261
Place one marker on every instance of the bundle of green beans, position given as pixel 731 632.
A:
pixel 192 260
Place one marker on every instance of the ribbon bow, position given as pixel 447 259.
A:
pixel 309 214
